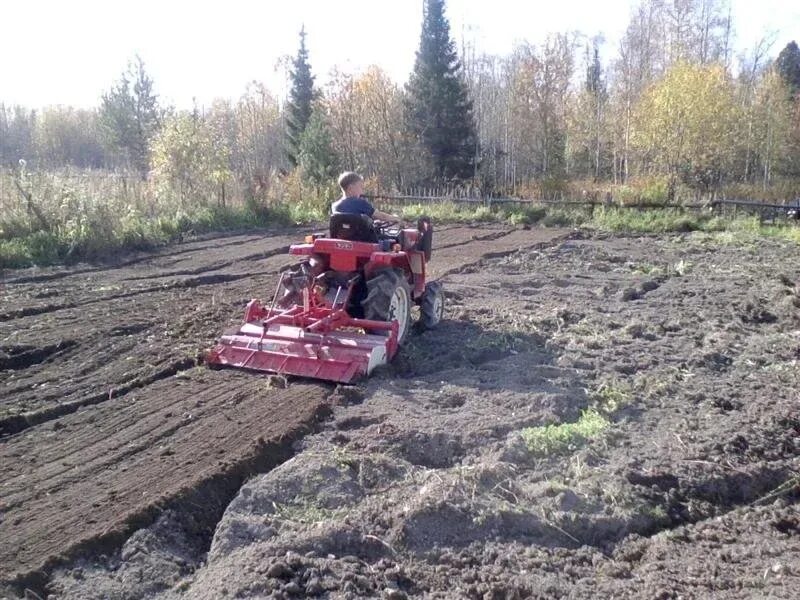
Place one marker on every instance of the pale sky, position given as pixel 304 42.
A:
pixel 70 51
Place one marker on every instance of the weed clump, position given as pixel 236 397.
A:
pixel 565 437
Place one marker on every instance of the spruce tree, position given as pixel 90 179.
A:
pixel 788 64
pixel 598 96
pixel 131 116
pixel 301 98
pixel 316 156
pixel 594 74
pixel 438 107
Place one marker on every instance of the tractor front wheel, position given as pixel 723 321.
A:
pixel 389 299
pixel 432 305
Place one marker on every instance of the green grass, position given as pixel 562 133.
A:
pixel 449 212
pixel 615 220
pixel 557 439
pixel 650 221
pixel 452 212
pixel 87 241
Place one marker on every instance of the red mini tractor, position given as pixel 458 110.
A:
pixel 344 309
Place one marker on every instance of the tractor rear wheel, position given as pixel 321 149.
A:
pixel 389 299
pixel 432 305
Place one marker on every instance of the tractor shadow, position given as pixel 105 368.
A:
pixel 457 344
pixel 464 352
pixel 490 361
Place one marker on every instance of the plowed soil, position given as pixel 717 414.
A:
pixel 667 370
pixel 109 423
pixel 427 482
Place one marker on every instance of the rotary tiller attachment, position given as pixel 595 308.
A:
pixel 317 342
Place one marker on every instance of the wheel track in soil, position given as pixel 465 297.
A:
pixel 81 474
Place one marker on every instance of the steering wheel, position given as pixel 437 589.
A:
pixel 384 226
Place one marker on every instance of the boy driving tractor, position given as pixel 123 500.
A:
pixel 346 306
pixel 353 202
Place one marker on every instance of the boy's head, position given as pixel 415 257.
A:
pixel 352 184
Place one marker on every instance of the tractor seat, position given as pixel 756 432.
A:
pixel 353 227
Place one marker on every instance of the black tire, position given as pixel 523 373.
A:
pixel 432 305
pixel 387 292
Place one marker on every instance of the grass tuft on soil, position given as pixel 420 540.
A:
pixel 305 512
pixel 566 437
pixel 611 396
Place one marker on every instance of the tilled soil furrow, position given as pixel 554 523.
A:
pixel 16 423
pixel 107 361
pixel 152 258
pixel 61 377
pixel 213 267
pixel 108 437
pixel 188 282
pixel 610 417
pixel 453 258
pixel 114 283
pixel 30 311
pixel 465 235
pixel 119 475
pixel 14 358
pixel 83 428
pixel 120 443
pixel 462 237
pixel 122 437
pixel 61 386
pixel 448 239
pixel 215 244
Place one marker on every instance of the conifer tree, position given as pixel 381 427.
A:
pixel 788 64
pixel 301 98
pixel 131 115
pixel 438 107
pixel 316 156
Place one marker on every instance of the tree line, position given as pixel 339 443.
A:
pixel 667 114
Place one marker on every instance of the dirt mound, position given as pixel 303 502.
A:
pixel 151 561
pixel 305 488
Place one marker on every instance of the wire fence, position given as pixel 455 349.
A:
pixel 48 189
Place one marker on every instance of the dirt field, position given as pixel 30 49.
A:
pixel 128 471
pixel 105 418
